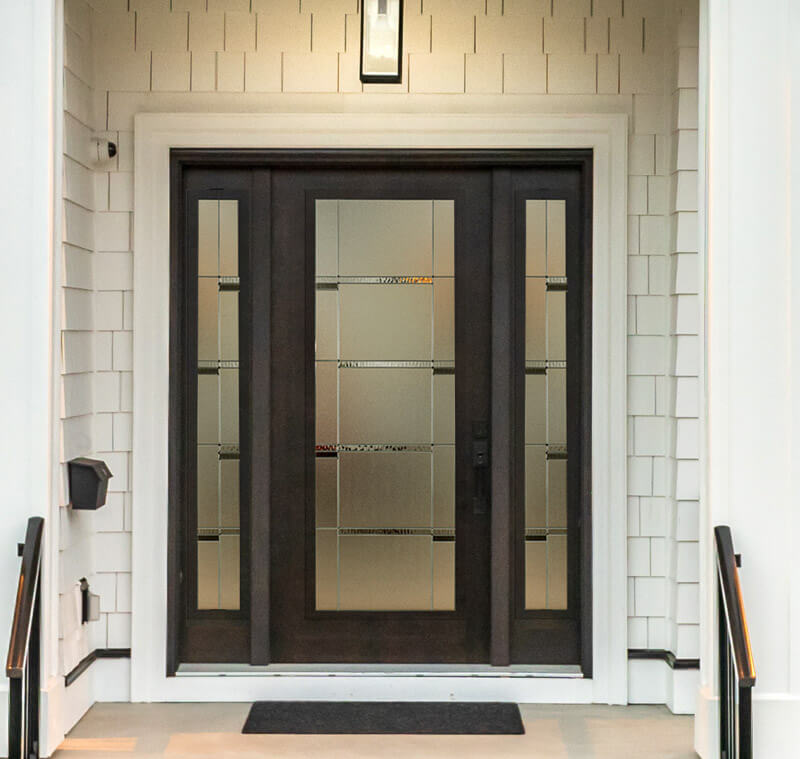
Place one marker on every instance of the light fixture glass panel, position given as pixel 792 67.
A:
pixel 380 43
pixel 229 572
pixel 381 322
pixel 385 572
pixel 385 406
pixel 444 575
pixel 379 238
pixel 326 570
pixel 385 489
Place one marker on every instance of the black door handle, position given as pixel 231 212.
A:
pixel 480 465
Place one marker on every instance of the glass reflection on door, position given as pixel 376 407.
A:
pixel 545 405
pixel 385 405
pixel 218 405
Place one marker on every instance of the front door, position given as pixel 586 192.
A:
pixel 382 368
pixel 381 351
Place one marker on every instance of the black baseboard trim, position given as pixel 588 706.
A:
pixel 87 661
pixel 666 656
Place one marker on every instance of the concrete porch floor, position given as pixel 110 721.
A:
pixel 199 731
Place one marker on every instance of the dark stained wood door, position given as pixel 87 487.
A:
pixel 390 414
pixel 380 384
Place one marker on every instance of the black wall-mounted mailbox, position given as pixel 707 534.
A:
pixel 88 483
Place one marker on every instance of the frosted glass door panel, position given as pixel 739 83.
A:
pixel 385 405
pixel 218 405
pixel 545 405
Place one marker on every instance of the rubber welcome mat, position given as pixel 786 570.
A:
pixel 397 718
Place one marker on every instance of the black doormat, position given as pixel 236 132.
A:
pixel 396 717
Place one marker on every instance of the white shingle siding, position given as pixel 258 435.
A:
pixel 586 55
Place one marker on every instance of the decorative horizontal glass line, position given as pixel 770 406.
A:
pixel 554 452
pixel 213 533
pixel 213 367
pixel 556 284
pixel 440 533
pixel 541 366
pixel 439 367
pixel 228 452
pixel 329 283
pixel 542 533
pixel 225 283
pixel 332 449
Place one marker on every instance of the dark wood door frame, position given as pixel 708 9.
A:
pixel 505 396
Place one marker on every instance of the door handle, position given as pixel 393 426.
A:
pixel 481 466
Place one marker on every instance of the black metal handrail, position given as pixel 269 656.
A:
pixel 737 672
pixel 23 663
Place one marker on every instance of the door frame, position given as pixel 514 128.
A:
pixel 155 136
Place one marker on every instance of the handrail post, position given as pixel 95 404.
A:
pixel 33 679
pixel 724 669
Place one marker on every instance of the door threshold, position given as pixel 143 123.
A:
pixel 557 671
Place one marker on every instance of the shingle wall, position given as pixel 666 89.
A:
pixel 250 55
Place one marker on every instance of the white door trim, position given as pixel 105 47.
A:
pixel 155 135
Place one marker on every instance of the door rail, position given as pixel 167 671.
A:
pixel 24 654
pixel 737 672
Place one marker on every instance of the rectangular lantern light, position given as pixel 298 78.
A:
pixel 381 40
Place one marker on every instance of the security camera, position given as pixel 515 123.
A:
pixel 106 149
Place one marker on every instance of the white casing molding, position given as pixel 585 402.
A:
pixel 155 135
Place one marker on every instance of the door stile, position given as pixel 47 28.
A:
pixel 258 315
pixel 503 393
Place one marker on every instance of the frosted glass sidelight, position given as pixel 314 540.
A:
pixel 218 486
pixel 546 287
pixel 385 405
